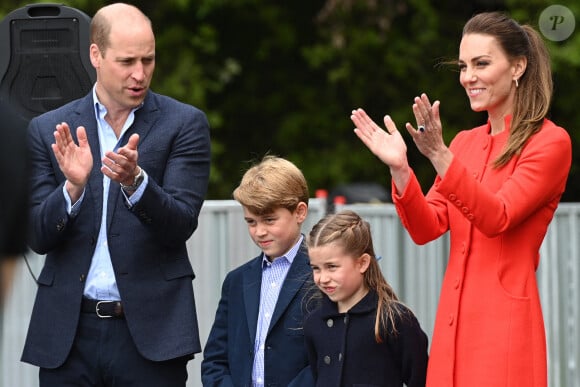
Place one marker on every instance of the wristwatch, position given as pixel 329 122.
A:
pixel 136 181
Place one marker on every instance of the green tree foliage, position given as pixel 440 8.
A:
pixel 283 77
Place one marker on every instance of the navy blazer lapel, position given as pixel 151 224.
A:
pixel 144 119
pixel 299 272
pixel 251 288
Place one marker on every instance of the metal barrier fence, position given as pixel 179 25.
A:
pixel 222 243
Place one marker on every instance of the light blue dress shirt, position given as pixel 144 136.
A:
pixel 273 275
pixel 101 283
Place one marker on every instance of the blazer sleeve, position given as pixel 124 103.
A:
pixel 172 200
pixel 48 216
pixel 215 367
pixel 303 379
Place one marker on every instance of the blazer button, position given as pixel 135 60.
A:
pixel 329 323
pixel 326 359
pixel 340 357
pixel 60 225
pixel 82 278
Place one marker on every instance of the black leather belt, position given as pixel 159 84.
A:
pixel 103 309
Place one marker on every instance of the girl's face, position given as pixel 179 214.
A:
pixel 275 233
pixel 338 275
pixel 487 74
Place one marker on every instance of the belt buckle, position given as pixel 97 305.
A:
pixel 97 308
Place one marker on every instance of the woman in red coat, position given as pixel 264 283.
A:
pixel 496 191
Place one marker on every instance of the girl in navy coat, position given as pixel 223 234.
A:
pixel 357 332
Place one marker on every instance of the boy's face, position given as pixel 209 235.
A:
pixel 275 233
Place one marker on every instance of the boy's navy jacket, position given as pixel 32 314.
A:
pixel 229 352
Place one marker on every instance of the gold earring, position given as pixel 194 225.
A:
pixel 517 84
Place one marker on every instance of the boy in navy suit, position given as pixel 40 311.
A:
pixel 257 337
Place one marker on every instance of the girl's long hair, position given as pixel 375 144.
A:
pixel 349 231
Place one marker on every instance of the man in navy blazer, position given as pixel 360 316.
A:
pixel 113 204
pixel 257 337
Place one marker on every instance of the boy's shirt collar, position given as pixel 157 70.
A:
pixel 289 255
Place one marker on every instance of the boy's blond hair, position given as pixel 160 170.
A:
pixel 271 184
